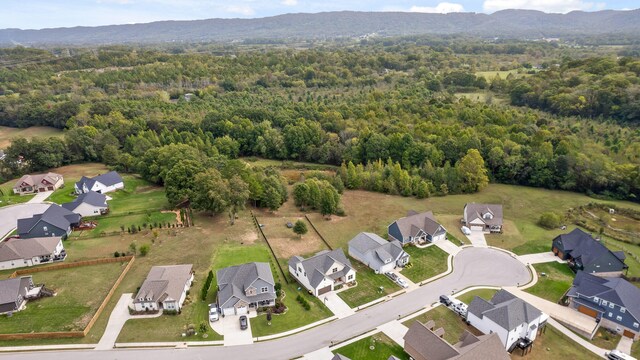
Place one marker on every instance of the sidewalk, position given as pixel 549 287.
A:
pixel 573 336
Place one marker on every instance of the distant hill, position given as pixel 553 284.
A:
pixel 508 23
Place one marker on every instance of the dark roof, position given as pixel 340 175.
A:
pixel 505 309
pixel 414 222
pixel 108 179
pixel 588 251
pixel 234 280
pixel 385 251
pixel 340 357
pixel 478 211
pixel 11 288
pixel 615 290
pixel 91 198
pixel 55 215
pixel 317 266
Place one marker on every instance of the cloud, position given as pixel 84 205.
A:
pixel 551 6
pixel 289 2
pixel 245 10
pixel 441 8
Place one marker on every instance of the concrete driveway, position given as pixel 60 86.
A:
pixel 40 197
pixel 472 267
pixel 539 258
pixel 9 215
pixel 338 307
pixel 477 238
pixel 449 247
pixel 229 327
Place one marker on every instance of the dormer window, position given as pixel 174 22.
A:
pixel 45 228
pixel 335 270
pixel 488 216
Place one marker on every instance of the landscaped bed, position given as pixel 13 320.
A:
pixel 376 347
pixel 368 288
pixel 557 280
pixel 425 263
pixel 80 291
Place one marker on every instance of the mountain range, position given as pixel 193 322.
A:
pixel 526 24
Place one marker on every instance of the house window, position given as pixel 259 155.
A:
pixel 636 325
pixel 264 289
pixel 619 318
pixel 623 310
pixel 610 314
pixel 350 277
pixel 45 228
pixel 604 302
pixel 335 269
pixel 611 305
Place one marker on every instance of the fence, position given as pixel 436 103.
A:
pixel 284 275
pixel 103 305
pixel 318 232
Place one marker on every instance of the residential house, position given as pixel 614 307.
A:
pixel 512 318
pixel 15 253
pixel 421 342
pixel 102 184
pixel 15 292
pixel 165 288
pixel 31 184
pixel 377 253
pixel 322 272
pixel 615 302
pixel 417 229
pixel 88 204
pixel 585 253
pixel 245 286
pixel 56 221
pixel 483 217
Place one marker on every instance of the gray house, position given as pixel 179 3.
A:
pixel 88 204
pixel 585 253
pixel 14 293
pixel 377 253
pixel 483 217
pixel 245 286
pixel 55 221
pixel 615 302
pixel 417 228
pixel 322 272
pixel 165 288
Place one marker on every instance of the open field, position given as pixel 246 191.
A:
pixel 485 97
pixel 7 134
pixel 453 325
pixel 284 241
pixel 368 288
pixel 383 348
pixel 373 212
pixel 555 284
pixel 490 75
pixel 632 252
pixel 80 291
pixel 425 263
pixel 554 345
pixel 486 294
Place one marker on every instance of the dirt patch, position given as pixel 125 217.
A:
pixel 249 238
pixel 285 242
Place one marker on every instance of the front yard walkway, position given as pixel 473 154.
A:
pixel 448 247
pixel 477 238
pixel 625 345
pixel 337 306
pixel 395 330
pixel 539 258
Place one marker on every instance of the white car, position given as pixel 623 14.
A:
pixel 213 313
pixel 465 230
pixel 402 282
pixel 618 355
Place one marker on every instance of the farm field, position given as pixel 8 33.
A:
pixel 7 134
pixel 79 293
pixel 383 348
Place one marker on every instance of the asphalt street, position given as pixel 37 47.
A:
pixel 9 215
pixel 472 267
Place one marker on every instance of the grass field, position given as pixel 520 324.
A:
pixel 490 75
pixel 368 288
pixel 425 263
pixel 453 325
pixel 486 294
pixel 557 281
pixel 79 293
pixel 7 134
pixel 7 197
pixel 554 345
pixel 383 348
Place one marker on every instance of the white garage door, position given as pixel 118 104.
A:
pixel 241 310
pixel 476 228
pixel 228 311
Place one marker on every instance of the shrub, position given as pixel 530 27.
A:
pixel 549 220
pixel 203 327
pixel 206 285
pixel 144 250
pixel 116 254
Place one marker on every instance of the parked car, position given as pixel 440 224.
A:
pixel 465 230
pixel 243 323
pixel 402 282
pixel 618 355
pixel 213 312
pixel 444 299
pixel 392 276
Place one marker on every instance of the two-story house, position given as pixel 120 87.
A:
pixel 483 217
pixel 377 253
pixel 31 184
pixel 512 318
pixel 322 272
pixel 585 253
pixel 102 184
pixel 614 301
pixel 15 253
pixel 244 287
pixel 417 229
pixel 164 288
pixel 56 221
pixel 14 293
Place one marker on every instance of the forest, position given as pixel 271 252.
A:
pixel 389 113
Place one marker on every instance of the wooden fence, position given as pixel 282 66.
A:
pixel 275 258
pixel 103 305
pixel 318 232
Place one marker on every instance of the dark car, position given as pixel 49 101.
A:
pixel 243 322
pixel 444 299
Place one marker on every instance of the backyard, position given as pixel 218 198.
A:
pixel 453 325
pixel 554 284
pixel 371 286
pixel 553 344
pixel 375 347
pixel 425 263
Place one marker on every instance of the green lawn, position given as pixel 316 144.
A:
pixel 7 134
pixel 425 263
pixel 635 350
pixel 383 348
pixel 557 281
pixel 605 339
pixel 80 291
pixel 486 294
pixel 7 197
pixel 368 288
pixel 554 345
pixel 112 223
pixel 453 325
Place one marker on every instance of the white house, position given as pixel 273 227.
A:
pixel 164 288
pixel 508 316
pixel 377 253
pixel 16 253
pixel 322 272
pixel 102 184
pixel 88 204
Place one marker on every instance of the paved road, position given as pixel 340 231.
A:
pixel 9 215
pixel 472 267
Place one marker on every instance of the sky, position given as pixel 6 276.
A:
pixel 38 14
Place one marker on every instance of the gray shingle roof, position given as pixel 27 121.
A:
pixel 505 309
pixel 234 280
pixel 34 180
pixel 317 266
pixel 19 249
pixel 91 198
pixel 366 242
pixel 165 282
pixel 615 290
pixel 414 222
pixel 339 357
pixel 477 211
pixel 55 215
pixel 11 288
pixel 108 179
